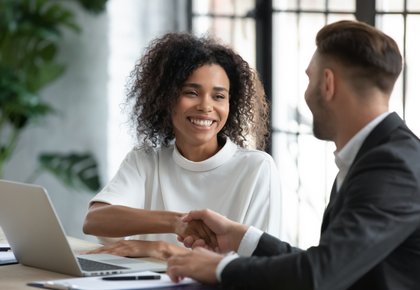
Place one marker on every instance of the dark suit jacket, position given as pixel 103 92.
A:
pixel 370 234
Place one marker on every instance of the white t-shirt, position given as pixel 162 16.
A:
pixel 239 183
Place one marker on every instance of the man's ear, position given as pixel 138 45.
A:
pixel 328 84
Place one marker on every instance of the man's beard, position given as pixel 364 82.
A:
pixel 323 121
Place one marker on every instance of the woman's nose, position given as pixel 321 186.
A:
pixel 205 104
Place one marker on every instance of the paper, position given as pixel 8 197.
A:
pixel 7 258
pixel 96 283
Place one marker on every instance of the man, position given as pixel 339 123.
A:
pixel 370 234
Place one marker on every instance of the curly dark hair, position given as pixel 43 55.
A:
pixel 157 79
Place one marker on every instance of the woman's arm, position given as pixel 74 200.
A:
pixel 107 220
pixel 134 248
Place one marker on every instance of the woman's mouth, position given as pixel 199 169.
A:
pixel 201 123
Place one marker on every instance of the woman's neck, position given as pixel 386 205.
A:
pixel 200 152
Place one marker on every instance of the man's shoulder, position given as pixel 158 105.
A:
pixel 401 144
pixel 398 144
pixel 391 167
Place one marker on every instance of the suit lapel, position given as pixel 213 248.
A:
pixel 333 195
pixel 383 129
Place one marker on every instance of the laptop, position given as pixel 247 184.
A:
pixel 37 238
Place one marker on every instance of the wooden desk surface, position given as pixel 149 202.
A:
pixel 15 277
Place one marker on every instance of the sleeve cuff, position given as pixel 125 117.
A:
pixel 250 241
pixel 222 264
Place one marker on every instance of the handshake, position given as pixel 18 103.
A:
pixel 209 234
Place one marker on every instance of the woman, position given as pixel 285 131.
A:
pixel 197 105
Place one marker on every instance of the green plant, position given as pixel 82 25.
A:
pixel 30 32
pixel 76 171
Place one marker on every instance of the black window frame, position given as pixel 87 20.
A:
pixel 263 15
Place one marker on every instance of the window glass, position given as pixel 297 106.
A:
pixel 238 32
pixel 312 5
pixel 337 17
pixel 342 5
pixel 222 7
pixel 242 7
pixel 304 162
pixel 285 71
pixel 243 39
pixel 309 25
pixel 390 5
pixel 285 4
pixel 218 7
pixel 393 25
pixel 201 6
pixel 413 73
pixel 413 5
pixel 202 24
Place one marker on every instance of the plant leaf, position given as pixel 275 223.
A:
pixel 75 171
pixel 94 6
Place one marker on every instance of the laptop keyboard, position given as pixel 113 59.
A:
pixel 89 265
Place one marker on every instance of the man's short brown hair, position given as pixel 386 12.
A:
pixel 369 56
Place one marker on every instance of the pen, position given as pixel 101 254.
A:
pixel 119 278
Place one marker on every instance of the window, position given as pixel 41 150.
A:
pixel 228 20
pixel 284 40
pixel 400 19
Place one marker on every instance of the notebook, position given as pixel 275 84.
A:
pixel 37 238
pixel 96 283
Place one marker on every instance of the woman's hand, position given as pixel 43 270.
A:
pixel 198 230
pixel 135 249
pixel 219 233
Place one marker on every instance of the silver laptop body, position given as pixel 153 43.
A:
pixel 37 239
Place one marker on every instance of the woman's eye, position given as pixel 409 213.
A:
pixel 192 93
pixel 220 96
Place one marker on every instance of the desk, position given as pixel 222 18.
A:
pixel 15 277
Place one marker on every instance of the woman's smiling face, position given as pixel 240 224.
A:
pixel 202 108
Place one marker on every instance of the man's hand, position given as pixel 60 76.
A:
pixel 198 231
pixel 134 248
pixel 199 264
pixel 228 234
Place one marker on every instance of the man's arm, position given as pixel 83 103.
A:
pixel 232 237
pixel 381 209
pixel 201 264
pixel 226 235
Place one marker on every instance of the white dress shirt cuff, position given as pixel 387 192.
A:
pixel 250 242
pixel 222 264
pixel 248 245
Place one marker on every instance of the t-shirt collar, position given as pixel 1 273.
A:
pixel 213 162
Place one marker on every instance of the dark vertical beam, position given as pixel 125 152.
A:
pixel 264 49
pixel 404 76
pixel 189 15
pixel 366 11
